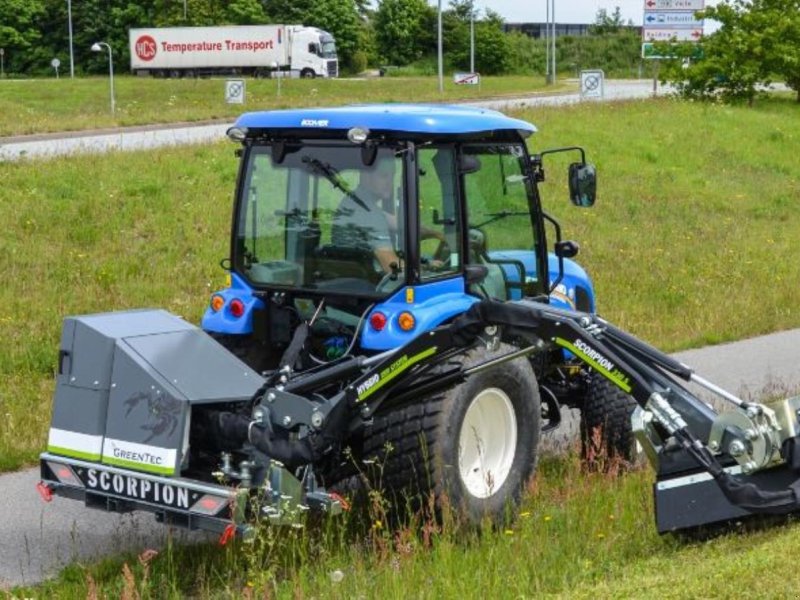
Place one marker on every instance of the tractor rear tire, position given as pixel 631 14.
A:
pixel 475 444
pixel 607 439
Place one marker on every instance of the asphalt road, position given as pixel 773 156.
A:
pixel 37 538
pixel 139 138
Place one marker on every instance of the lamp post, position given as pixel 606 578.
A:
pixel 439 49
pixel 98 47
pixel 471 38
pixel 71 55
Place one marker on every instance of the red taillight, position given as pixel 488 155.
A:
pixel 45 491
pixel 236 307
pixel 377 321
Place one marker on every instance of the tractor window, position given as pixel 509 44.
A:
pixel 439 219
pixel 321 219
pixel 501 230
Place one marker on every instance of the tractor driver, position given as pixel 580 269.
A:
pixel 361 222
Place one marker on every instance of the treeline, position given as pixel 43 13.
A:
pixel 391 33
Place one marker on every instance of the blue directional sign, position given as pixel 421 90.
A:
pixel 673 19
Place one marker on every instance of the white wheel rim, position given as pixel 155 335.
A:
pixel 487 442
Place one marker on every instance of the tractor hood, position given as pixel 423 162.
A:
pixel 126 384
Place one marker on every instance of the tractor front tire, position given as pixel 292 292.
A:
pixel 475 444
pixel 607 439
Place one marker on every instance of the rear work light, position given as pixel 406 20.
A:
pixel 236 307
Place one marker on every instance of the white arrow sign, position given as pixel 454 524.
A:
pixel 678 18
pixel 674 4
pixel 672 34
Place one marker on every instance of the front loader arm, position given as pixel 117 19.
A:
pixel 293 424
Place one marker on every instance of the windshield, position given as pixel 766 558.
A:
pixel 320 219
pixel 328 48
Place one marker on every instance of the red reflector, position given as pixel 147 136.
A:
pixel 342 502
pixel 44 491
pixel 227 535
pixel 236 307
pixel 377 321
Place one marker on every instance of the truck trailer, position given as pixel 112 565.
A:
pixel 257 50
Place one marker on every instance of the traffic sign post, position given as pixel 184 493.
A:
pixel 467 78
pixel 55 63
pixel 234 91
pixel 592 84
pixel 669 21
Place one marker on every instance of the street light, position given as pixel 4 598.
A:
pixel 98 47
pixel 439 49
pixel 71 55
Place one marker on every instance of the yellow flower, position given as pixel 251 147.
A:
pixel 547 518
pixel 509 532
pixel 600 536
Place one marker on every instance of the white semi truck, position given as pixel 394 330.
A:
pixel 256 50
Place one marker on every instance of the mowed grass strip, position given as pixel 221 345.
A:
pixel 45 105
pixel 694 240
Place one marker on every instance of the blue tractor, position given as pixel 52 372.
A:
pixel 395 317
pixel 448 195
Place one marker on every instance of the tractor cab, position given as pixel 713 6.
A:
pixel 375 223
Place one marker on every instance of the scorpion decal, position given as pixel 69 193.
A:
pixel 163 412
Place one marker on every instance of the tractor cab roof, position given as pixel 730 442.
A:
pixel 392 121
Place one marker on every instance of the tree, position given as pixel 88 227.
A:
pixel 757 40
pixel 605 23
pixel 400 29
pixel 19 31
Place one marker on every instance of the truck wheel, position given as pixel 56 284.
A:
pixel 606 436
pixel 476 443
pixel 308 74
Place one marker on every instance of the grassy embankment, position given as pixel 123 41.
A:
pixel 41 106
pixel 692 241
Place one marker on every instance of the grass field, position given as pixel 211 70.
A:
pixel 693 241
pixel 41 106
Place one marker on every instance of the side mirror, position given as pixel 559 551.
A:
pixel 567 249
pixel 468 164
pixel 582 184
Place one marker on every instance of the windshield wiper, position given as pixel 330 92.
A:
pixel 332 175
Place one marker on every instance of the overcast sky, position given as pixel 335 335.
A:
pixel 567 11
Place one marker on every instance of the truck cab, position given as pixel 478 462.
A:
pixel 313 52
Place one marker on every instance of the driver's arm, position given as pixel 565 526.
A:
pixel 386 256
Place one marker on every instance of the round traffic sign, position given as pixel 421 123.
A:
pixel 55 63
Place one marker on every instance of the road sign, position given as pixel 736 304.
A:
pixel 592 83
pixel 467 78
pixel 674 19
pixel 667 34
pixel 674 4
pixel 234 91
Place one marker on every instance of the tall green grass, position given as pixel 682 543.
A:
pixel 578 535
pixel 694 239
